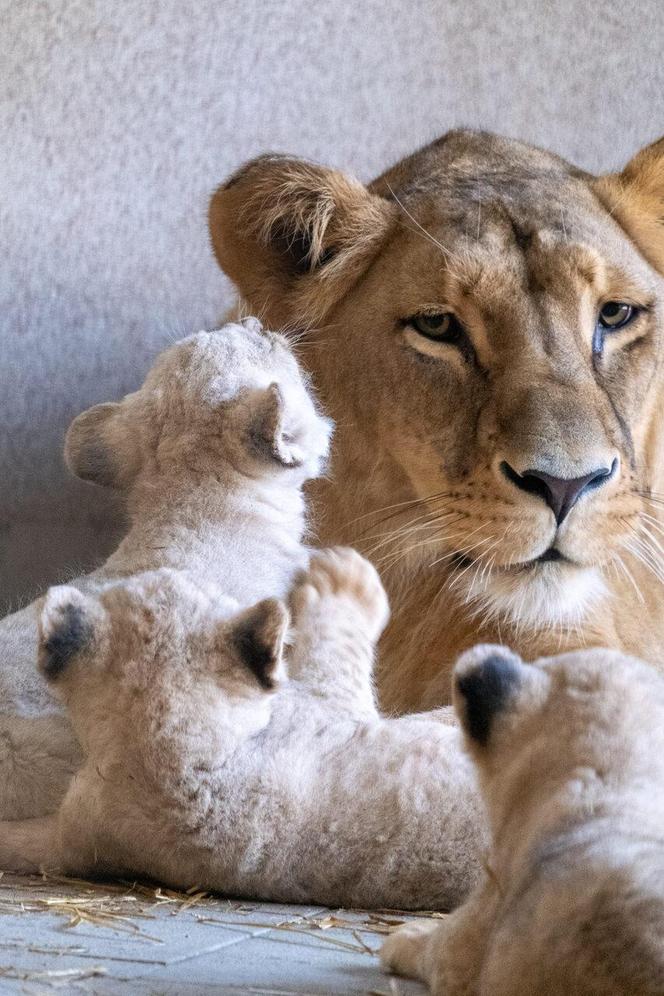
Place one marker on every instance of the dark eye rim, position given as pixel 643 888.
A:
pixel 453 333
pixel 602 331
pixel 633 312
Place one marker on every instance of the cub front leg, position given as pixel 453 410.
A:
pixel 339 609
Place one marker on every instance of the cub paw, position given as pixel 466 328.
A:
pixel 342 573
pixel 404 951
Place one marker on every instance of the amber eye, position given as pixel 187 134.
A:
pixel 444 327
pixel 615 314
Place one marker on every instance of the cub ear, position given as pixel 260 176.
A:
pixel 635 198
pixel 258 637
pixel 67 625
pixel 268 432
pixel 97 447
pixel 294 236
pixel 486 679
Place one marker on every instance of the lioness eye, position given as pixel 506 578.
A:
pixel 615 314
pixel 444 327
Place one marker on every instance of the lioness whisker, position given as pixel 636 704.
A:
pixel 653 523
pixel 650 547
pixel 621 563
pixel 652 539
pixel 640 552
pixel 398 504
pixel 422 229
pixel 655 499
pixel 403 532
pixel 393 515
pixel 429 541
pixel 651 558
pixel 465 550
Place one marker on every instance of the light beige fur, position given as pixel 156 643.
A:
pixel 570 753
pixel 206 766
pixel 210 455
pixel 524 250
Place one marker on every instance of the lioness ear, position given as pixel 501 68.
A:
pixel 294 236
pixel 67 626
pixel 258 636
pixel 635 198
pixel 97 448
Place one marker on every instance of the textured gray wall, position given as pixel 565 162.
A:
pixel 118 119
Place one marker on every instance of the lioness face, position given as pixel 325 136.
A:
pixel 500 350
pixel 524 331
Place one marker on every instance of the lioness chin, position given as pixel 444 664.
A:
pixel 484 323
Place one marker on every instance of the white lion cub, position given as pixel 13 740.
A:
pixel 204 765
pixel 570 752
pixel 210 454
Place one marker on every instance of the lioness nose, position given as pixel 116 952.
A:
pixel 560 493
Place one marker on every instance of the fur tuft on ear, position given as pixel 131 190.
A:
pixel 258 636
pixel 485 678
pixel 66 626
pixel 294 236
pixel 96 447
pixel 635 198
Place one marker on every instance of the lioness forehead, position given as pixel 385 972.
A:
pixel 491 192
pixel 491 223
pixel 465 165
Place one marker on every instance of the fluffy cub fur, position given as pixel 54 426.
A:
pixel 573 902
pixel 205 766
pixel 210 454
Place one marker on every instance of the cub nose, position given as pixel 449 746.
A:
pixel 560 493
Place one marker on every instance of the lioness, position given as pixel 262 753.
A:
pixel 573 899
pixel 484 323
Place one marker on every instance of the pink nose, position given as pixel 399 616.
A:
pixel 560 493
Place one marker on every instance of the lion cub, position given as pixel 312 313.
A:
pixel 570 753
pixel 210 455
pixel 206 766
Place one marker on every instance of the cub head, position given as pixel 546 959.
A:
pixel 562 733
pixel 231 398
pixel 491 329
pixel 158 643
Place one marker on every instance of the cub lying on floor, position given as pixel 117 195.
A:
pixel 210 454
pixel 573 904
pixel 206 766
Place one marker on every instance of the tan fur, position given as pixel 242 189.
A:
pixel 573 898
pixel 306 210
pixel 198 772
pixel 210 455
pixel 524 249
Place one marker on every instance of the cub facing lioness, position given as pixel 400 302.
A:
pixel 485 325
pixel 210 456
pixel 573 900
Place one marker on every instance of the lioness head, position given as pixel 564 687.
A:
pixel 486 325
